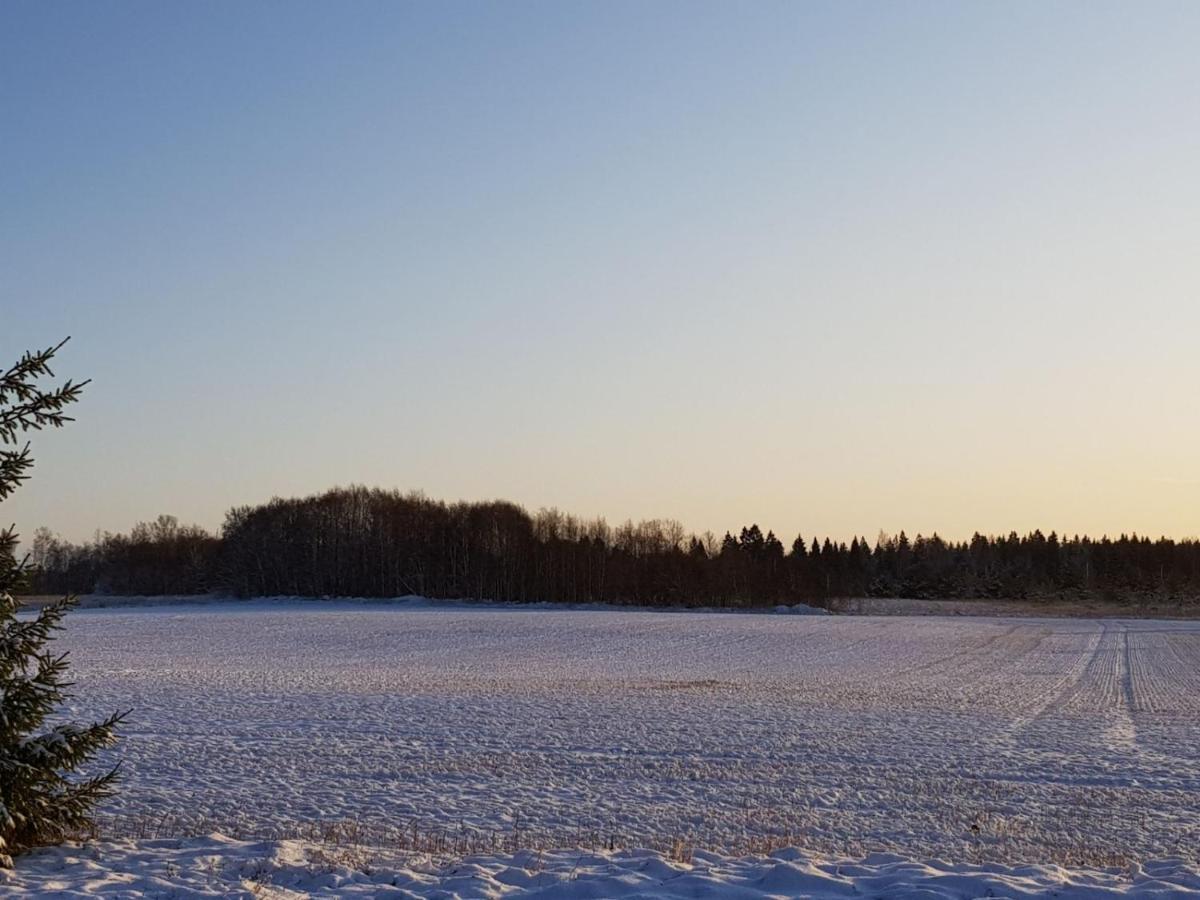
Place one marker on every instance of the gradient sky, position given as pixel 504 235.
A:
pixel 833 268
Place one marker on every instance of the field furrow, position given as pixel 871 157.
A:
pixel 1068 740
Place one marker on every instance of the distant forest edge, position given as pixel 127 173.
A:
pixel 360 542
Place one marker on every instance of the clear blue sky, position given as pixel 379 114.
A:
pixel 829 267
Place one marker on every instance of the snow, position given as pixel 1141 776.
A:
pixel 410 601
pixel 217 866
pixel 1010 746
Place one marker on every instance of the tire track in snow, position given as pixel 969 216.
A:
pixel 1058 693
pixel 1121 731
pixel 1158 674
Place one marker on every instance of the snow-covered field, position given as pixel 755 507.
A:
pixel 217 866
pixel 1073 742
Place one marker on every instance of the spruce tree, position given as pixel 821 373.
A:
pixel 40 802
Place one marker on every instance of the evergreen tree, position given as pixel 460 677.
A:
pixel 729 544
pixel 799 551
pixel 39 802
pixel 772 547
pixel 752 540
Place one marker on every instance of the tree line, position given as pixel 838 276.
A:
pixel 365 542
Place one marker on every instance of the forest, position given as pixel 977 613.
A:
pixel 363 542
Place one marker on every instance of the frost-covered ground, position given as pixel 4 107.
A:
pixel 216 866
pixel 1020 741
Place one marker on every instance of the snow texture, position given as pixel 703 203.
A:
pixel 1071 742
pixel 215 866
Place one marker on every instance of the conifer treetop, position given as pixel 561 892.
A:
pixel 40 801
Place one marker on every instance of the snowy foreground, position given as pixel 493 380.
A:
pixel 216 866
pixel 390 741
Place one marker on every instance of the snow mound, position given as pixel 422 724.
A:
pixel 802 609
pixel 216 866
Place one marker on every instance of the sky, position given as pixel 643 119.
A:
pixel 833 268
